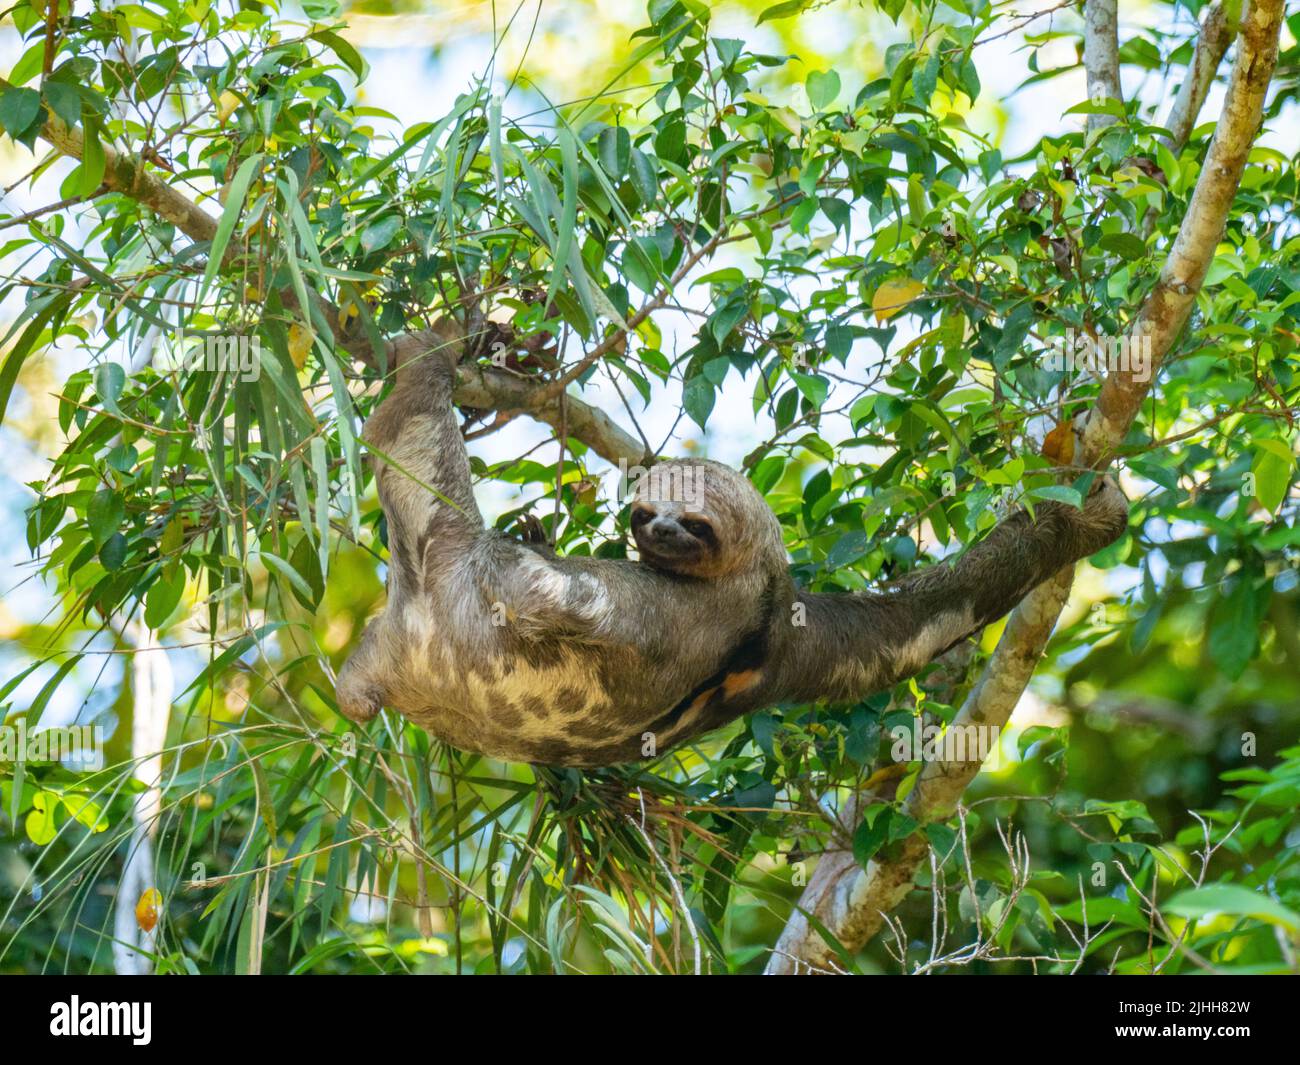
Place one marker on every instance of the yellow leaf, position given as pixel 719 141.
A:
pixel 348 313
pixel 173 537
pixel 880 776
pixel 146 910
pixel 894 296
pixel 40 822
pixel 788 119
pixel 1058 445
pixel 226 104
pixel 300 342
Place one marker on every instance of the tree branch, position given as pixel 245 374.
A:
pixel 1211 44
pixel 1101 56
pixel 130 175
pixel 851 902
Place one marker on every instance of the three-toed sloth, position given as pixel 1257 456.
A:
pixel 500 647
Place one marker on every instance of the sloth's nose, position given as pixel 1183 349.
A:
pixel 665 531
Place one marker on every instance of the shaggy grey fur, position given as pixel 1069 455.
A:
pixel 503 648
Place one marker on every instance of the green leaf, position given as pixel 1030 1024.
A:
pixel 113 553
pixel 1109 106
pixel 345 51
pixel 1007 474
pixel 1273 468
pixel 698 399
pixel 813 387
pixel 568 216
pixel 494 144
pixel 968 78
pixel 872 834
pixel 64 101
pixel 1126 245
pixel 728 49
pixel 1101 909
pixel 942 838
pixel 104 515
pixel 378 235
pixel 235 194
pixel 925 77
pixel 38 705
pixel 645 180
pixel 288 573
pixel 93 161
pixel 40 825
pixel 726 318
pixel 823 86
pixel 19 109
pixel 848 549
pixel 615 150
pixel 862 411
pixel 40 314
pixel 1059 493
pixel 29 65
pixel 320 474
pixel 1234 633
pixel 783 10
pixel 1236 901
pixel 163 597
pixel 670 141
pixel 110 379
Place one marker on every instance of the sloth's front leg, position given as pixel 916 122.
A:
pixel 421 466
pixel 422 472
pixel 845 647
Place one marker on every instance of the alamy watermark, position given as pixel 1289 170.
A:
pixel 1101 354
pixel 133 1020
pixel 677 482
pixel 946 743
pixel 72 743
pixel 231 353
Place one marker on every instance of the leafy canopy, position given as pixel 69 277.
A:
pixel 859 261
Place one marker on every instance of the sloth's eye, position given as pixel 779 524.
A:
pixel 641 515
pixel 699 529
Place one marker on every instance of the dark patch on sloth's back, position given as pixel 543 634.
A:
pixel 570 700
pixel 506 713
pixel 535 707
pixel 541 654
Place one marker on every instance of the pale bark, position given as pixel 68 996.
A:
pixel 151 701
pixel 1101 56
pixel 1211 44
pixel 851 902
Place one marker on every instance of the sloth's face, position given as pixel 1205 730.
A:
pixel 676 538
pixel 698 518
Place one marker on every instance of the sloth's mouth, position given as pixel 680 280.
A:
pixel 676 554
